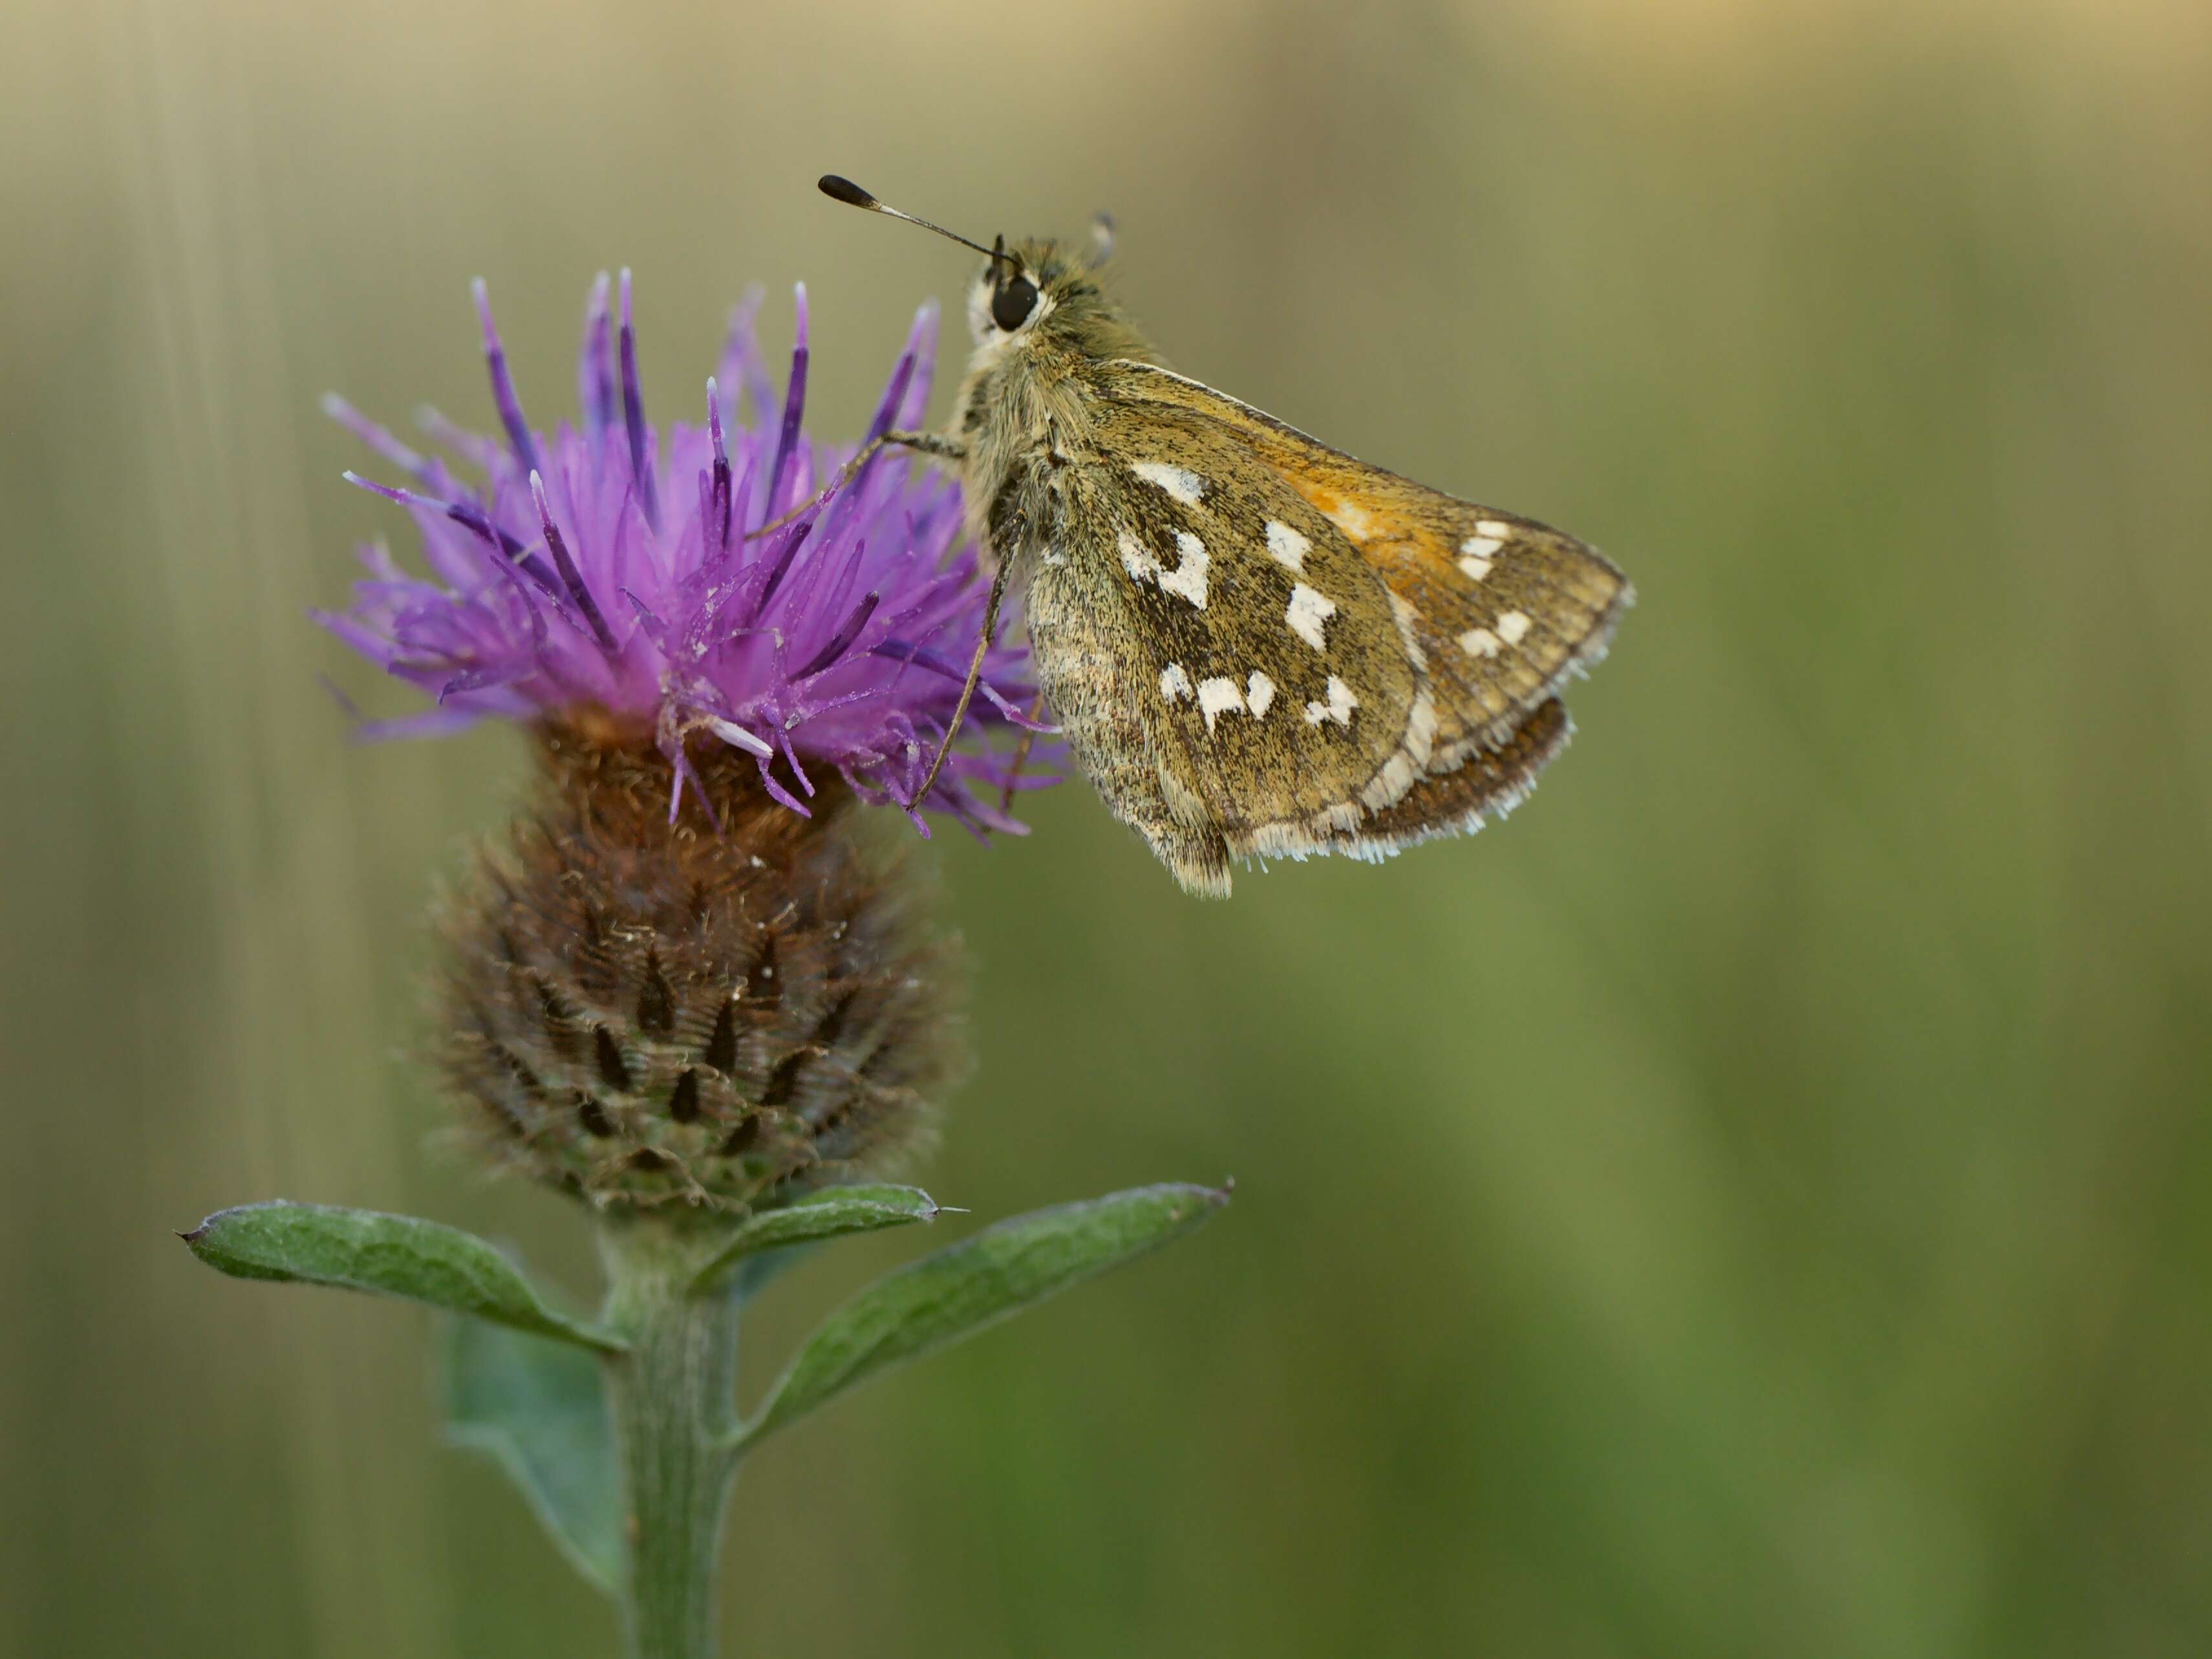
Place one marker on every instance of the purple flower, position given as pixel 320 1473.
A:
pixel 609 565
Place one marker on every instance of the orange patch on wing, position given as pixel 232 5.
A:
pixel 1388 537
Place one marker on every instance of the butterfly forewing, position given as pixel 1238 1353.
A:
pixel 1502 609
pixel 1272 673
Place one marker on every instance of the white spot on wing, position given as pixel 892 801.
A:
pixel 1478 549
pixel 1479 642
pixel 1174 682
pixel 1397 776
pixel 1187 577
pixel 1353 520
pixel 1259 693
pixel 1404 613
pixel 1179 482
pixel 1513 626
pixel 1339 707
pixel 1288 548
pixel 1137 559
pixel 1187 580
pixel 1217 697
pixel 1309 614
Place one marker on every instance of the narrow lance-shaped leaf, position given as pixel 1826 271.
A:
pixel 394 1255
pixel 539 1409
pixel 824 1215
pixel 966 1287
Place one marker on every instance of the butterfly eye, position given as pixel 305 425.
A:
pixel 1011 305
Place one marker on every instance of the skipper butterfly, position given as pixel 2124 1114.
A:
pixel 1256 646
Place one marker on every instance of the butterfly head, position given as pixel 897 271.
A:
pixel 1030 295
pixel 1021 290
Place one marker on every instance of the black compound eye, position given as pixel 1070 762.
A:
pixel 1011 305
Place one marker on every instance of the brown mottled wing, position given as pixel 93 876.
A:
pixel 1483 783
pixel 1228 670
pixel 1503 609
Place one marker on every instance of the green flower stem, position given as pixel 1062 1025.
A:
pixel 673 1400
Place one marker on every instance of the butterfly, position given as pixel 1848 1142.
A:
pixel 1255 646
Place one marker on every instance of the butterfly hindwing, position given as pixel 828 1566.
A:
pixel 1484 783
pixel 1199 602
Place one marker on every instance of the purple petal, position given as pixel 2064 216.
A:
pixel 503 384
pixel 641 438
pixel 595 373
pixel 867 590
pixel 794 404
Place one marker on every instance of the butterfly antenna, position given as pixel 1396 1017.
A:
pixel 845 190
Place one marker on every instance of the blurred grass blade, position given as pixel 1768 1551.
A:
pixel 824 1215
pixel 968 1286
pixel 538 1410
pixel 394 1255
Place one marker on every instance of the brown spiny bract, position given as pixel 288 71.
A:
pixel 646 1013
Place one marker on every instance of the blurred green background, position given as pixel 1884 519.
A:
pixel 1755 1201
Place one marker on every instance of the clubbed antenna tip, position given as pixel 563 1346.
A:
pixel 838 188
pixel 844 190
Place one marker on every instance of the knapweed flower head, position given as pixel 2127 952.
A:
pixel 712 1018
pixel 696 972
pixel 609 567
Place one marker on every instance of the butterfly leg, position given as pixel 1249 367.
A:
pixel 968 687
pixel 1022 753
pixel 922 443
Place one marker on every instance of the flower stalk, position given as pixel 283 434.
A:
pixel 672 1399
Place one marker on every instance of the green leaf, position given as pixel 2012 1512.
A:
pixel 824 1215
pixel 538 1410
pixel 396 1254
pixel 966 1287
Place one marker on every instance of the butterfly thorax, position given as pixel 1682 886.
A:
pixel 1028 405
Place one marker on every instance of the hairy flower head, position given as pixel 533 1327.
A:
pixel 610 569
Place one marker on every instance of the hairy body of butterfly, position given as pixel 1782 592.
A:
pixel 1256 646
